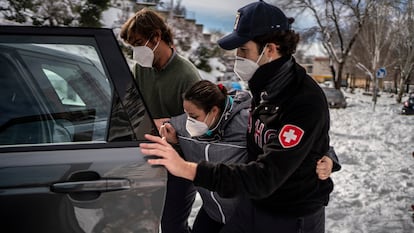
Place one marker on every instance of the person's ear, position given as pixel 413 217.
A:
pixel 215 110
pixel 157 36
pixel 272 48
pixel 273 51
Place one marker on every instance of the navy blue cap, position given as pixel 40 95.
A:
pixel 254 19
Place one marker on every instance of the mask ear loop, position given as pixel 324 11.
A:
pixel 205 119
pixel 261 54
pixel 156 46
pixel 149 38
pixel 146 42
pixel 222 115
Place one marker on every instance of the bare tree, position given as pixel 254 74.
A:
pixel 372 47
pixel 403 44
pixel 338 23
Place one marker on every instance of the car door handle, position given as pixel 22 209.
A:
pixel 103 185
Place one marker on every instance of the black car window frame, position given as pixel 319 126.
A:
pixel 119 68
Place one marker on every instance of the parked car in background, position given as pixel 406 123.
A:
pixel 408 105
pixel 71 119
pixel 335 97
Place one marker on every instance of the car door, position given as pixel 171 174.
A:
pixel 71 120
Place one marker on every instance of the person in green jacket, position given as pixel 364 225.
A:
pixel 162 76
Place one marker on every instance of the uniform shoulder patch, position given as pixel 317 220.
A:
pixel 290 136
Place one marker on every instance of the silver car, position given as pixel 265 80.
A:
pixel 335 97
pixel 71 120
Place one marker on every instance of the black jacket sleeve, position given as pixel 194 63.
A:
pixel 332 155
pixel 277 164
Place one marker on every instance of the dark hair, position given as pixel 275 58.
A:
pixel 287 41
pixel 205 95
pixel 146 23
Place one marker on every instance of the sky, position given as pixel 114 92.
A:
pixel 215 14
pixel 221 14
pixel 374 190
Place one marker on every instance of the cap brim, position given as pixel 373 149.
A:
pixel 232 41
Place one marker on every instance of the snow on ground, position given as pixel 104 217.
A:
pixel 374 190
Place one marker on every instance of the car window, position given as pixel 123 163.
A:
pixel 67 95
pixel 61 93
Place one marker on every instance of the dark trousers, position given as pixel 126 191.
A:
pixel 178 203
pixel 247 219
pixel 204 224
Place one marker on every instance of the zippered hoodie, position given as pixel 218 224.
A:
pixel 226 144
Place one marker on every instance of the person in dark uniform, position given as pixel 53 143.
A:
pixel 288 131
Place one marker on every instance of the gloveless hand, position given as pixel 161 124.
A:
pixel 168 131
pixel 168 157
pixel 324 167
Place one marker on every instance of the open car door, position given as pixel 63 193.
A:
pixel 71 120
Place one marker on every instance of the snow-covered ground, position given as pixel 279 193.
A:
pixel 374 190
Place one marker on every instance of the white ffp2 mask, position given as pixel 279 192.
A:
pixel 245 68
pixel 144 55
pixel 196 128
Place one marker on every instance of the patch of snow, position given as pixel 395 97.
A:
pixel 374 190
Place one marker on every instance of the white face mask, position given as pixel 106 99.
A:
pixel 196 128
pixel 245 68
pixel 144 55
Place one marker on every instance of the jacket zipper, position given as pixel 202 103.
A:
pixel 223 217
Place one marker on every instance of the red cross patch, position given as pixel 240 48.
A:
pixel 290 136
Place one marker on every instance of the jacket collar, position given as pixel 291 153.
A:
pixel 271 79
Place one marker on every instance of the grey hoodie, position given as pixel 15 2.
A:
pixel 226 144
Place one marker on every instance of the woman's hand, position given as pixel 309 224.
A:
pixel 324 167
pixel 159 122
pixel 168 157
pixel 168 132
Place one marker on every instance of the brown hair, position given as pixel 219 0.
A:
pixel 287 41
pixel 146 23
pixel 205 95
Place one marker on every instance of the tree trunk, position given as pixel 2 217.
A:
pixel 401 89
pixel 338 77
pixel 395 81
